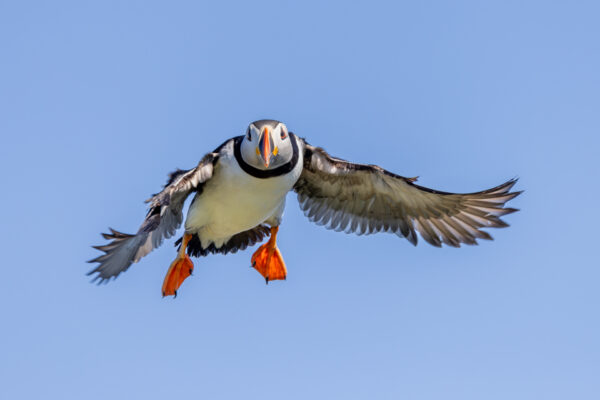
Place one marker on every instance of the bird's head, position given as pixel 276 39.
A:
pixel 267 144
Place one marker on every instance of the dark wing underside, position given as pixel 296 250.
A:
pixel 164 217
pixel 237 242
pixel 366 199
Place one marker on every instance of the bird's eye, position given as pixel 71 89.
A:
pixel 283 134
pixel 249 135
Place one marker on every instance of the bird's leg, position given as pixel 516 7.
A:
pixel 267 259
pixel 180 269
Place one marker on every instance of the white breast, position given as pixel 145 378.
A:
pixel 233 201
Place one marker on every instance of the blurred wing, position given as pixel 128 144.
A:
pixel 164 217
pixel 366 199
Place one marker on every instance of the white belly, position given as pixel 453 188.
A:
pixel 233 201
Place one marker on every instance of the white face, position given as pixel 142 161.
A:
pixel 267 145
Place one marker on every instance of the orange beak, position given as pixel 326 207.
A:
pixel 265 147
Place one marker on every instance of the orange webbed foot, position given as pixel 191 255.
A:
pixel 267 260
pixel 179 270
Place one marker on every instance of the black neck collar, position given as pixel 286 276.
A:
pixel 266 173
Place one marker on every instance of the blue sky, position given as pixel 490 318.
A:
pixel 100 100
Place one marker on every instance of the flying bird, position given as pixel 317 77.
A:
pixel 239 196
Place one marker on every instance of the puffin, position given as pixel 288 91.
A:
pixel 239 194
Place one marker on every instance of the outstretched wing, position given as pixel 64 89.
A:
pixel 366 199
pixel 164 217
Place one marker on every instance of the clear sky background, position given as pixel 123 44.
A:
pixel 100 100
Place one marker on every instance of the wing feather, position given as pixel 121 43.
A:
pixel 164 217
pixel 366 199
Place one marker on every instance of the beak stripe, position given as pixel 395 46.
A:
pixel 265 147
